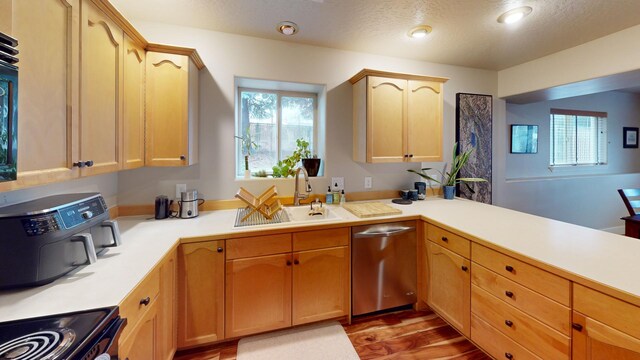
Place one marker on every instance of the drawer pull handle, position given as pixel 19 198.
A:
pixel 509 294
pixel 444 238
pixel 296 262
pixel 576 326
pixel 145 301
pixel 464 268
pixel 288 262
pixel 509 268
pixel 509 323
pixel 508 356
pixel 220 249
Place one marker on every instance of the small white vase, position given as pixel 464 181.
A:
pixel 247 174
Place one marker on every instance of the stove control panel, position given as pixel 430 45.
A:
pixel 41 224
pixel 82 212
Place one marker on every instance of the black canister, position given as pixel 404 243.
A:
pixel 163 207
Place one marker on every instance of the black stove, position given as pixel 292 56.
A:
pixel 84 335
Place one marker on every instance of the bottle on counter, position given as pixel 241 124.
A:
pixel 329 196
pixel 343 199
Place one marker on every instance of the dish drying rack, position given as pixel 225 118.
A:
pixel 263 207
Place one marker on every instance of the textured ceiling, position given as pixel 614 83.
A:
pixel 465 32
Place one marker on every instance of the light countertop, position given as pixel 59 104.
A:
pixel 577 252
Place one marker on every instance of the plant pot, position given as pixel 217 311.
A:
pixel 247 174
pixel 312 166
pixel 449 192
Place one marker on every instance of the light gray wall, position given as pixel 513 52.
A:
pixel 580 195
pixel 226 56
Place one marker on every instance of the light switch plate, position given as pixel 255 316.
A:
pixel 180 188
pixel 368 182
pixel 337 183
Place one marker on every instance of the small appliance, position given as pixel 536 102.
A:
pixel 86 335
pixel 163 207
pixel 43 239
pixel 189 203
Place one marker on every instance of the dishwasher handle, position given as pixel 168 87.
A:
pixel 385 233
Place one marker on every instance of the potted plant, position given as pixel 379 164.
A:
pixel 449 178
pixel 287 166
pixel 247 145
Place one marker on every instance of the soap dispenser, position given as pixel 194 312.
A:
pixel 329 197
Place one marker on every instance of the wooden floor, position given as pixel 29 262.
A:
pixel 400 335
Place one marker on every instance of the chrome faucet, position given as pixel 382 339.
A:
pixel 296 193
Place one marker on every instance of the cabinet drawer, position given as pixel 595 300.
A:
pixel 542 308
pixel 522 328
pixel 258 246
pixel 545 283
pixel 449 240
pixel 320 239
pixel 133 307
pixel 606 309
pixel 497 344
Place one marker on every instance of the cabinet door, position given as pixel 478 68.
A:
pixel 386 117
pixel 320 284
pixel 201 293
pixel 449 286
pixel 101 91
pixel 258 296
pixel 134 98
pixel 168 303
pixel 594 340
pixel 46 107
pixel 167 140
pixel 424 123
pixel 142 342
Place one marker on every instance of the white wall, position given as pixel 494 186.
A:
pixel 227 55
pixel 587 195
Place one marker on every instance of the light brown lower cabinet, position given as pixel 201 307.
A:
pixel 168 303
pixel 448 286
pixel 142 341
pixel 200 293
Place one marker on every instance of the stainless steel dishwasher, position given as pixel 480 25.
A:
pixel 383 263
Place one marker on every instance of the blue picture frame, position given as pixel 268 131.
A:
pixel 524 139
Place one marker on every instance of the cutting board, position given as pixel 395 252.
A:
pixel 371 209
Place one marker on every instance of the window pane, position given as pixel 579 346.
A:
pixel 587 140
pixel 259 114
pixel 297 122
pixel 578 140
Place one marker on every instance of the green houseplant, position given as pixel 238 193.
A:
pixel 287 166
pixel 247 145
pixel 449 179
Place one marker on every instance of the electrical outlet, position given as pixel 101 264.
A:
pixel 180 188
pixel 337 183
pixel 368 183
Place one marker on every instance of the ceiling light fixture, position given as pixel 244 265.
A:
pixel 514 15
pixel 287 28
pixel 420 31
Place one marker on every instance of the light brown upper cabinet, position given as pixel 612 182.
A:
pixel 48 100
pixel 134 98
pixel 101 74
pixel 397 117
pixel 172 110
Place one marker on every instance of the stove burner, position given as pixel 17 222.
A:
pixel 41 345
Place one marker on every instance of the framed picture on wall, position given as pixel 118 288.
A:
pixel 630 137
pixel 524 139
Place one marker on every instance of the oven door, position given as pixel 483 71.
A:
pixel 8 121
pixel 104 346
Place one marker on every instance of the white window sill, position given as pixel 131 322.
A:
pixel 255 178
pixel 580 169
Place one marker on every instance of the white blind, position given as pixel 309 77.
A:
pixel 578 138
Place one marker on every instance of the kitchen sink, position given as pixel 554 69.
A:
pixel 301 213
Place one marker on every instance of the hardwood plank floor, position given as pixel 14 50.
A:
pixel 400 335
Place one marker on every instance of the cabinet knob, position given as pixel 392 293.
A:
pixel 296 262
pixel 445 239
pixel 89 163
pixel 410 155
pixel 509 268
pixel 220 249
pixel 79 164
pixel 464 268
pixel 508 293
pixel 508 355
pixel 509 323
pixel 576 326
pixel 145 301
pixel 288 262
pixel 182 157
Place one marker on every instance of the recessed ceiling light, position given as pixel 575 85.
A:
pixel 287 28
pixel 514 15
pixel 419 31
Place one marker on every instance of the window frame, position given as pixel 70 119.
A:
pixel 575 113
pixel 279 94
